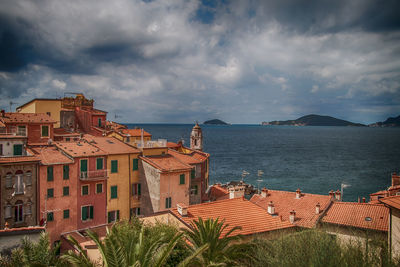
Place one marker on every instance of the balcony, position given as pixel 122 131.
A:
pixel 13 131
pixel 94 175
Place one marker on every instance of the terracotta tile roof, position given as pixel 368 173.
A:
pixel 110 145
pixel 135 132
pixel 115 125
pixel 80 235
pixel 50 155
pixel 217 192
pixel 379 193
pixel 393 201
pixel 166 163
pixel 172 145
pixel 63 132
pixel 22 230
pixel 18 159
pixel 12 136
pixel 185 158
pixel 359 215
pixel 236 212
pixel 285 201
pixel 80 149
pixel 14 117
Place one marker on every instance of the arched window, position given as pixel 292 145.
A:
pixel 19 211
pixel 28 179
pixel 19 182
pixel 9 183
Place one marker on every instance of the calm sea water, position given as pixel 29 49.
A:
pixel 314 159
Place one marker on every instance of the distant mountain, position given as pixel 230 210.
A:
pixel 216 122
pixel 314 120
pixel 390 122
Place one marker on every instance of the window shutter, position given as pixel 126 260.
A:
pixel 45 130
pixel 91 212
pixel 114 191
pixel 66 172
pixel 117 215
pixel 50 173
pixel 84 213
pixel 193 173
pixel 17 150
pixel 196 188
pixel 109 217
pixel 114 166
pixel 139 189
pixel 166 203
pixel 135 164
pixel 99 165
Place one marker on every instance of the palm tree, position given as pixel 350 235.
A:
pixel 222 249
pixel 128 244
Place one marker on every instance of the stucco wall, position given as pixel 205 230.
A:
pixel 54 107
pixel 8 146
pixel 395 232
pixel 150 181
pixel 170 187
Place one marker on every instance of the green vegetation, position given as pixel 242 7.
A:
pixel 208 243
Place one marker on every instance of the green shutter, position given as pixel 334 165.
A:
pixel 84 165
pixel 50 216
pixel 182 179
pixel 117 215
pixel 109 217
pixel 166 203
pixel 135 164
pixel 196 188
pixel 170 201
pixel 17 150
pixel 50 173
pixel 99 188
pixel 66 191
pixel 45 130
pixel 84 213
pixel 114 191
pixel 91 212
pixel 85 190
pixel 114 166
pixel 66 214
pixel 193 173
pixel 139 189
pixel 138 211
pixel 66 172
pixel 99 165
pixel 50 192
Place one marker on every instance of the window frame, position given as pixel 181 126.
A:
pixel 102 188
pixel 19 212
pixel 114 195
pixel 114 168
pixel 88 190
pixel 168 202
pixel 102 163
pixel 51 189
pixel 50 173
pixel 50 216
pixel 182 179
pixel 44 127
pixel 66 214
pixel 21 148
pixel 90 212
pixel 135 164
pixel 65 188
pixel 66 172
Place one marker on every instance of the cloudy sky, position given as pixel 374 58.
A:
pixel 180 61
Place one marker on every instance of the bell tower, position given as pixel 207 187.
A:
pixel 196 138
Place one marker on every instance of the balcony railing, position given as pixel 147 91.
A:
pixel 94 175
pixel 151 144
pixel 13 131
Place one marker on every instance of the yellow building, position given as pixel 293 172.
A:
pixel 131 136
pixel 51 107
pixel 123 187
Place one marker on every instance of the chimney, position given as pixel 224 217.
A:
pixel 236 191
pixel 332 194
pixel 182 209
pixel 395 179
pixel 338 195
pixel 359 200
pixel 292 216
pixel 271 208
pixel 264 192
pixel 298 193
pixel 317 208
pixel 363 200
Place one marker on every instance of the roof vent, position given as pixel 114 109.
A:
pixel 292 216
pixel 182 209
pixel 264 192
pixel 271 208
pixel 317 208
pixel 368 219
pixel 298 193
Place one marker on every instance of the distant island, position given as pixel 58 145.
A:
pixel 390 122
pixel 314 120
pixel 215 122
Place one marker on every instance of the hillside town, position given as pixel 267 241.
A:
pixel 65 168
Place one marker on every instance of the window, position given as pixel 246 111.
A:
pixel 86 213
pixel 7 212
pixel 84 166
pixel 9 183
pixel 67 139
pixel 99 163
pixel 193 173
pixel 114 191
pixel 19 183
pixel 17 151
pixel 1 149
pixel 50 216
pixel 28 176
pixel 66 214
pixel 85 190
pixel 48 113
pixel 134 212
pixel 99 188
pixel 21 130
pixel 114 166
pixel 50 192
pixel 168 203
pixel 195 189
pixel 128 139
pixel 99 122
pixel 66 172
pixel 18 211
pixel 66 191
pixel 182 179
pixel 135 164
pixel 45 131
pixel 136 189
pixel 50 176
pixel 113 216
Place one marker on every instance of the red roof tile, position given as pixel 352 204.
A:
pixel 218 192
pixel 135 132
pixel 22 230
pixel 110 145
pixel 80 149
pixel 393 201
pixel 166 163
pixel 236 212
pixel 172 145
pixel 15 117
pixel 360 215
pixel 18 159
pixel 63 132
pixel 285 201
pixel 51 155
pixel 185 158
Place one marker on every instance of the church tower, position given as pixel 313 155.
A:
pixel 196 138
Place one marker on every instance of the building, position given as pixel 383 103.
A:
pixel 11 238
pixel 393 203
pixel 58 191
pixel 131 136
pixel 49 106
pixel 196 138
pixel 123 186
pixel 393 190
pixel 90 175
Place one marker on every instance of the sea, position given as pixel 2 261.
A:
pixel 315 159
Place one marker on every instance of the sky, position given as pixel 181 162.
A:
pixel 176 61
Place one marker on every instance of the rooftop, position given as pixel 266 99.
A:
pixel 18 159
pixel 217 192
pixel 359 215
pixel 22 230
pixel 14 117
pixel 185 158
pixel 49 155
pixel 63 132
pixel 135 132
pixel 393 201
pixel 236 212
pixel 80 149
pixel 285 201
pixel 166 163
pixel 110 145
pixel 39 99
